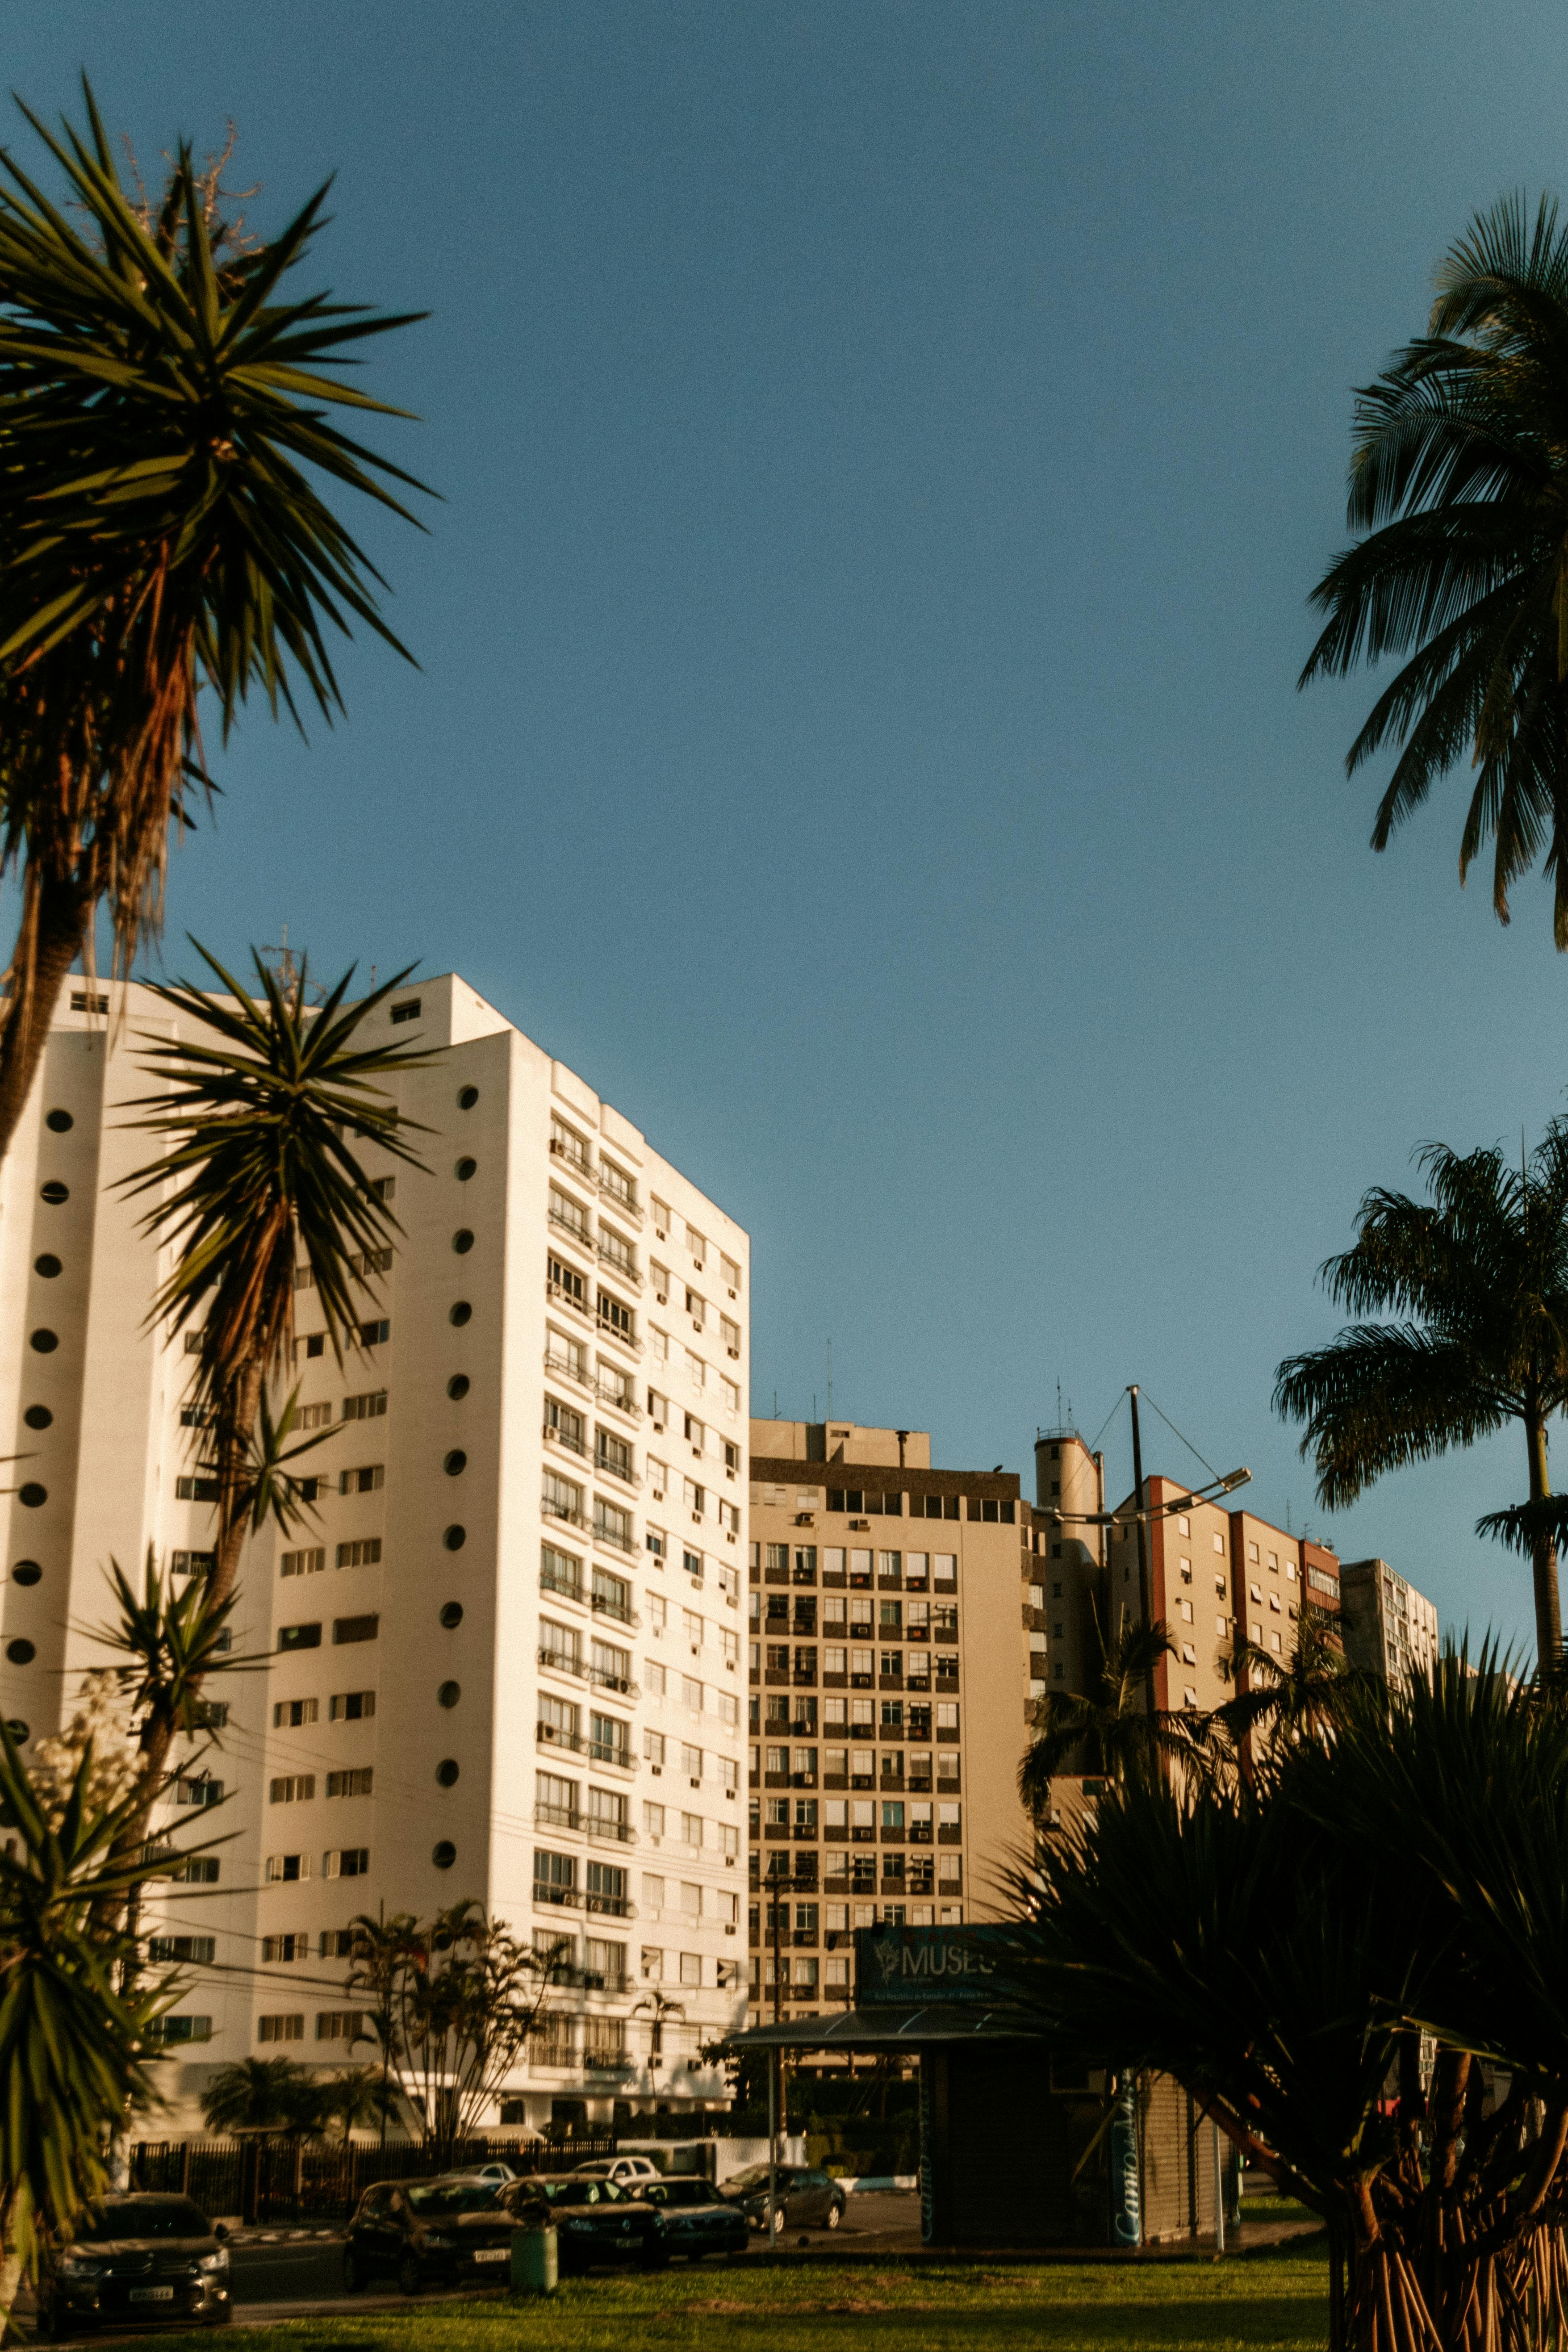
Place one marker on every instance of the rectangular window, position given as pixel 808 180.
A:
pixel 613 1316
pixel 283 1869
pixel 408 1010
pixel 172 1950
pixel 293 1790
pixel 276 1948
pixel 347 1862
pixel 565 1281
pixel 341 2025
pixel 375 1333
pixel 611 1454
pixel 363 1554
pixel 201 1870
pixel 560 1499
pixel 355 1629
pixel 313 1416
pixel 196 1490
pixel 350 1706
pixel 191 1563
pixel 566 1144
pixel 612 1525
pixel 368 1407
pixel 280 2028
pixel 288 1712
pixel 365 1481
pixel 350 1784
pixel 299 1637
pixel 304 1563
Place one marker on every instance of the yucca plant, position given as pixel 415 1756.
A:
pixel 75 2048
pixel 1459 485
pixel 1476 1281
pixel 167 460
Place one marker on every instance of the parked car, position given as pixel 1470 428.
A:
pixel 807 2198
pixel 496 2172
pixel 625 2170
pixel 596 2221
pixel 450 2228
pixel 136 2257
pixel 697 2220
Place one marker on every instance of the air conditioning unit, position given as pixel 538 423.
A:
pixel 734 1351
pixel 662 1298
pixel 656 1769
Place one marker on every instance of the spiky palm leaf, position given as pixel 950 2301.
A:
pixel 260 1127
pixel 168 1643
pixel 1458 481
pixel 164 432
pixel 1106 1730
pixel 1289 1699
pixel 74 2048
pixel 1479 1277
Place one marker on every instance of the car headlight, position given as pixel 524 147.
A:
pixel 580 2223
pixel 218 2262
pixel 80 2266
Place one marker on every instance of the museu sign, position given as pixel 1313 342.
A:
pixel 910 1966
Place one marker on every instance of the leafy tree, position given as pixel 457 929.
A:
pixel 1459 482
pixel 166 458
pixel 74 2049
pixel 264 2096
pixel 1107 1729
pixel 1479 1277
pixel 1288 1699
pixel 457 1997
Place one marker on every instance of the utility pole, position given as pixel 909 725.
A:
pixel 777 2123
pixel 1143 1601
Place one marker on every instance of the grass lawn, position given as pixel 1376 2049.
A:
pixel 1273 2302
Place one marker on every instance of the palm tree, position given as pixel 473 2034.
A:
pixel 1458 479
pixel 660 2010
pixel 1107 1729
pixel 260 2095
pixel 163 429
pixel 1478 1275
pixel 1289 1699
pixel 259 1167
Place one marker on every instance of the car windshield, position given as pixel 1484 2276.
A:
pixel 451 2196
pixel 755 2176
pixel 683 2192
pixel 141 2217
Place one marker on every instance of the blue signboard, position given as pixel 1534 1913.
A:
pixel 911 1966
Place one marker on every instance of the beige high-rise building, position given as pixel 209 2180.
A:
pixel 1390 1629
pixel 503 1655
pixel 890 1670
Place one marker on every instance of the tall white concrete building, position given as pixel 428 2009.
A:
pixel 503 1660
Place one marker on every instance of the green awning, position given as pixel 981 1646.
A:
pixel 884 2028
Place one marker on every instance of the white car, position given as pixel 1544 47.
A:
pixel 498 2172
pixel 625 2171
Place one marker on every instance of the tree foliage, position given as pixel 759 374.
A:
pixel 1459 485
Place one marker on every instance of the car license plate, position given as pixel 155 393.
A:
pixel 491 2253
pixel 152 2294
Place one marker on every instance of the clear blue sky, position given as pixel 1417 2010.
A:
pixel 885 454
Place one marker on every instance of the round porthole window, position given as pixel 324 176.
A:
pixel 49 1266
pixel 466 1097
pixel 455 1538
pixel 46 1342
pixel 20 1732
pixel 60 1121
pixel 461 1313
pixel 445 1855
pixel 452 1614
pixel 21 1653
pixel 465 1168
pixel 462 1241
pixel 37 1416
pixel 32 1495
pixel 447 1771
pixel 457 1386
pixel 447 1695
pixel 456 1463
pixel 26 1571
pixel 54 1193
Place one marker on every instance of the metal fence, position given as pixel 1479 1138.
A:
pixel 271 2179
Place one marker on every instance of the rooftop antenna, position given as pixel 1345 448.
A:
pixel 1058 1404
pixel 830 1380
pixel 291 968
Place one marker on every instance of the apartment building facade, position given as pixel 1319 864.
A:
pixel 503 1658
pixel 1390 1629
pixel 889 1672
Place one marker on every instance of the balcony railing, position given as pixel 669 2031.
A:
pixel 569 1588
pixel 621 1399
pixel 559 1817
pixel 552 1507
pixel 551 1735
pixel 568 1899
pixel 565 1368
pixel 621 1199
pixel 599 1826
pixel 607 1680
pixel 571 1439
pixel 560 1662
pixel 610 1330
pixel 600 1752
pixel 621 1610
pixel 560 1295
pixel 618 1265
pixel 574 1229
pixel 619 1906
pixel 604 1534
pixel 604 1467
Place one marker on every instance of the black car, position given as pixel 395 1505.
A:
pixel 595 2221
pixel 416 2230
pixel 697 2220
pixel 806 2198
pixel 133 2258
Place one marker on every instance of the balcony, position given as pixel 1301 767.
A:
pixel 604 1605
pixel 616 1907
pixel 571 1440
pixel 559 1296
pixel 619 1267
pixel 560 1662
pixel 570 1515
pixel 551 1735
pixel 618 1196
pixel 621 1399
pixel 565 1898
pixel 604 1466
pixel 556 1817
pixel 565 1368
pixel 603 1830
pixel 599 1752
pixel 566 1588
pixel 604 1534
pixel 604 1679
pixel 610 1330
pixel 607 2062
